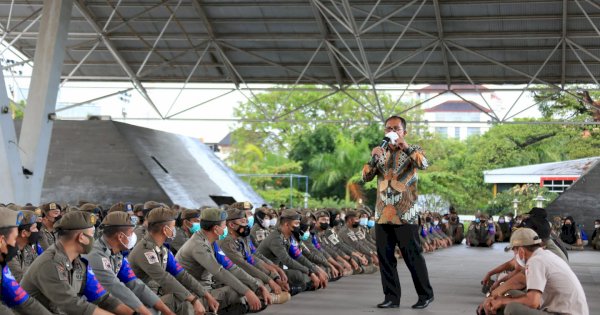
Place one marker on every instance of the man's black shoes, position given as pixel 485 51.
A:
pixel 388 304
pixel 423 303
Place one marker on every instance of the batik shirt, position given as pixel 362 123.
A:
pixel 397 178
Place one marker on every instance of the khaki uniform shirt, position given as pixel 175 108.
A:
pixel 396 173
pixel 350 237
pixel 47 237
pixel 66 287
pixel 123 285
pixel 16 298
pixel 561 290
pixel 181 237
pixel 153 263
pixel 197 256
pixel 258 234
pixel 240 252
pixel 21 262
pixel 276 247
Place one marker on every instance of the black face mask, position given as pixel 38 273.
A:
pixel 323 226
pixel 335 223
pixel 355 224
pixel 296 232
pixel 10 254
pixel 57 218
pixel 243 231
pixel 34 238
pixel 39 226
pixel 428 219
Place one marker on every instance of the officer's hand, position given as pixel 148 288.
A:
pixel 486 279
pixel 354 264
pixel 198 308
pixel 315 280
pixel 253 301
pixel 364 261
pixel 143 310
pixel 334 272
pixel 274 287
pixel 323 279
pixel 375 259
pixel 284 285
pixel 282 274
pixel 213 304
pixel 495 304
pixel 377 151
pixel 266 296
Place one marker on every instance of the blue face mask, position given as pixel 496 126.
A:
pixel 305 236
pixel 370 223
pixel 477 220
pixel 195 227
pixel 363 221
pixel 250 221
pixel 224 235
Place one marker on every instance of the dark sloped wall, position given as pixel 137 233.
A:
pixel 581 200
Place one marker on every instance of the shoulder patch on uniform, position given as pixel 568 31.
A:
pixel 151 257
pixel 62 273
pixel 106 263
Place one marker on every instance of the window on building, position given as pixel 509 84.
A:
pixel 558 185
pixel 473 131
pixel 442 131
pixel 457 116
pixel 457 132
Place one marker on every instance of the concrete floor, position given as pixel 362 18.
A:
pixel 455 274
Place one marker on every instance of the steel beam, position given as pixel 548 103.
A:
pixel 325 33
pixel 119 58
pixel 43 90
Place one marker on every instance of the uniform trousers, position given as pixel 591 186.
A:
pixel 406 237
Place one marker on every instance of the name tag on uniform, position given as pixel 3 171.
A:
pixel 361 235
pixel 106 263
pixel 352 236
pixel 333 239
pixel 260 235
pixel 151 257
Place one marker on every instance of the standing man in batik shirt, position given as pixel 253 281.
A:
pixel 396 169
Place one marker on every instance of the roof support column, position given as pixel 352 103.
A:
pixel 12 177
pixel 43 91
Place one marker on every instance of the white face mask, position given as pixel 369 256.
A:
pixel 597 226
pixel 520 261
pixel 266 223
pixel 392 136
pixel 436 222
pixel 131 240
pixel 273 221
pixel 444 221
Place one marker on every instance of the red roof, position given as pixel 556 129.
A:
pixel 437 88
pixel 458 106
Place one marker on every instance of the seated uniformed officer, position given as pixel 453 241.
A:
pixel 27 245
pixel 50 215
pixel 64 282
pixel 260 230
pixel 348 235
pixel 202 257
pixel 281 247
pixel 595 243
pixel 313 249
pixel 113 270
pixel 239 248
pixel 456 230
pixel 152 261
pixel 12 296
pixel 187 224
pixel 330 245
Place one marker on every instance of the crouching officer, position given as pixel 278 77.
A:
pixel 64 282
pixel 12 296
pixel 202 257
pixel 113 270
pixel 28 248
pixel 152 261
pixel 282 247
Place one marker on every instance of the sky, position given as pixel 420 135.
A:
pixel 215 103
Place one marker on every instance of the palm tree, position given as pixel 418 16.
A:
pixel 343 165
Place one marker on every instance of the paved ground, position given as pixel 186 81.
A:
pixel 455 274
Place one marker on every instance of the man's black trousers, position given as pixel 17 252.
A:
pixel 406 237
